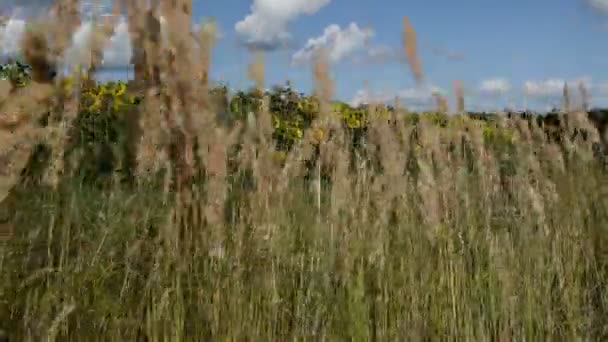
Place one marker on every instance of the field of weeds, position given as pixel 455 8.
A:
pixel 159 210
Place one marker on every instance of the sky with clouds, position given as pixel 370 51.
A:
pixel 518 52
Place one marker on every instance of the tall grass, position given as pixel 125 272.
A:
pixel 424 231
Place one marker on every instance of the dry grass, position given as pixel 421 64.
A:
pixel 411 49
pixel 426 232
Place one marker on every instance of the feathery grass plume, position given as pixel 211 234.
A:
pixel 3 21
pixel 255 71
pixel 101 34
pixel 388 151
pixel 396 106
pixel 58 136
pixel 428 216
pixel 178 15
pixel 35 53
pixel 441 103
pixel 214 142
pixel 566 99
pixel 206 39
pixel 459 94
pixel 431 205
pixel 408 37
pixel 263 118
pixel 265 171
pixel 179 96
pixel 20 112
pixel 486 167
pixel 139 36
pixel 180 40
pixel 216 159
pixel 584 94
pixel 528 183
pixel 578 121
pixel 149 64
pixel 341 189
pixel 15 152
pixel 65 22
pixel 151 146
pixel 324 91
pixel 324 85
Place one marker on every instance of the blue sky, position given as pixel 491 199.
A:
pixel 518 51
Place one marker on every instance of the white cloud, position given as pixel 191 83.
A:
pixel 545 88
pixel 116 52
pixel 553 87
pixel 495 86
pixel 77 52
pixel 266 25
pixel 585 80
pixel 416 98
pixel 23 8
pixel 364 96
pixel 549 92
pixel 10 36
pixel 339 43
pixel 36 8
pixel 11 32
pixel 601 5
pixel 421 96
pixel 90 7
pixel 119 50
pixel 602 89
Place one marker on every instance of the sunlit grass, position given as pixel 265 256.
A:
pixel 373 224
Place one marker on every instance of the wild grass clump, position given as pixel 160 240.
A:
pixel 373 224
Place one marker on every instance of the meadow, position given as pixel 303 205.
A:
pixel 164 209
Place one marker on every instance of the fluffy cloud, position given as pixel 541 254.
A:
pixel 364 96
pixel 339 43
pixel 76 53
pixel 117 52
pixel 546 88
pixel 496 86
pixel 24 7
pixel 421 96
pixel 27 8
pixel 10 36
pixel 417 98
pixel 88 7
pixel 602 89
pixel 27 3
pixel 553 87
pixel 11 31
pixel 266 26
pixel 601 5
